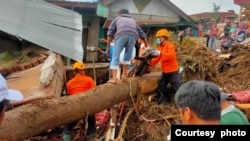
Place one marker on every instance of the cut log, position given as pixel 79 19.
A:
pixel 34 118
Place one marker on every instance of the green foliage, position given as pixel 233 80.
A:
pixel 6 56
pixel 216 8
pixel 196 19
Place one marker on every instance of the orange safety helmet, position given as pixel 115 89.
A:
pixel 79 65
pixel 162 32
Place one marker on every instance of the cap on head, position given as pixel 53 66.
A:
pixel 79 65
pixel 162 32
pixel 8 94
pixel 124 11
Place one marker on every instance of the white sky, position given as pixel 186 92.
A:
pixel 199 6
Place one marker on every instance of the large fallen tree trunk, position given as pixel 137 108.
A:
pixel 34 118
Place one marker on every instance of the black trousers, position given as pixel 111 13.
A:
pixel 172 78
pixel 137 49
pixel 207 41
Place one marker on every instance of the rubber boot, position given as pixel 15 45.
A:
pixel 92 136
pixel 167 96
pixel 161 97
pixel 66 137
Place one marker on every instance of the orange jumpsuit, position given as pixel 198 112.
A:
pixel 168 57
pixel 80 83
pixel 170 73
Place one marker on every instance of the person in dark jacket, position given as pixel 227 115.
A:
pixel 227 28
pixel 125 32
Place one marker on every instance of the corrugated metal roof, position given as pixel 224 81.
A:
pixel 44 24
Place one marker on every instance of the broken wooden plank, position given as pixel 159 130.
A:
pixel 228 55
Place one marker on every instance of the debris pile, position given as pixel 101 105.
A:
pixel 197 61
pixel 142 119
pixel 231 73
pixel 234 70
pixel 229 70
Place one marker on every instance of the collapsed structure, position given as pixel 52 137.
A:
pixel 140 118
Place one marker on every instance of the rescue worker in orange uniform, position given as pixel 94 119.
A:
pixel 169 66
pixel 79 84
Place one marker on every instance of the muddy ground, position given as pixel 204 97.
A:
pixel 151 122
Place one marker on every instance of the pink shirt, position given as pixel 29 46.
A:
pixel 213 32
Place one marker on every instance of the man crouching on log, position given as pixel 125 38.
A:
pixel 79 84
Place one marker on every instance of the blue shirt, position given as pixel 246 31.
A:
pixel 111 52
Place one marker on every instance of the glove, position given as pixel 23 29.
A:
pixel 153 52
